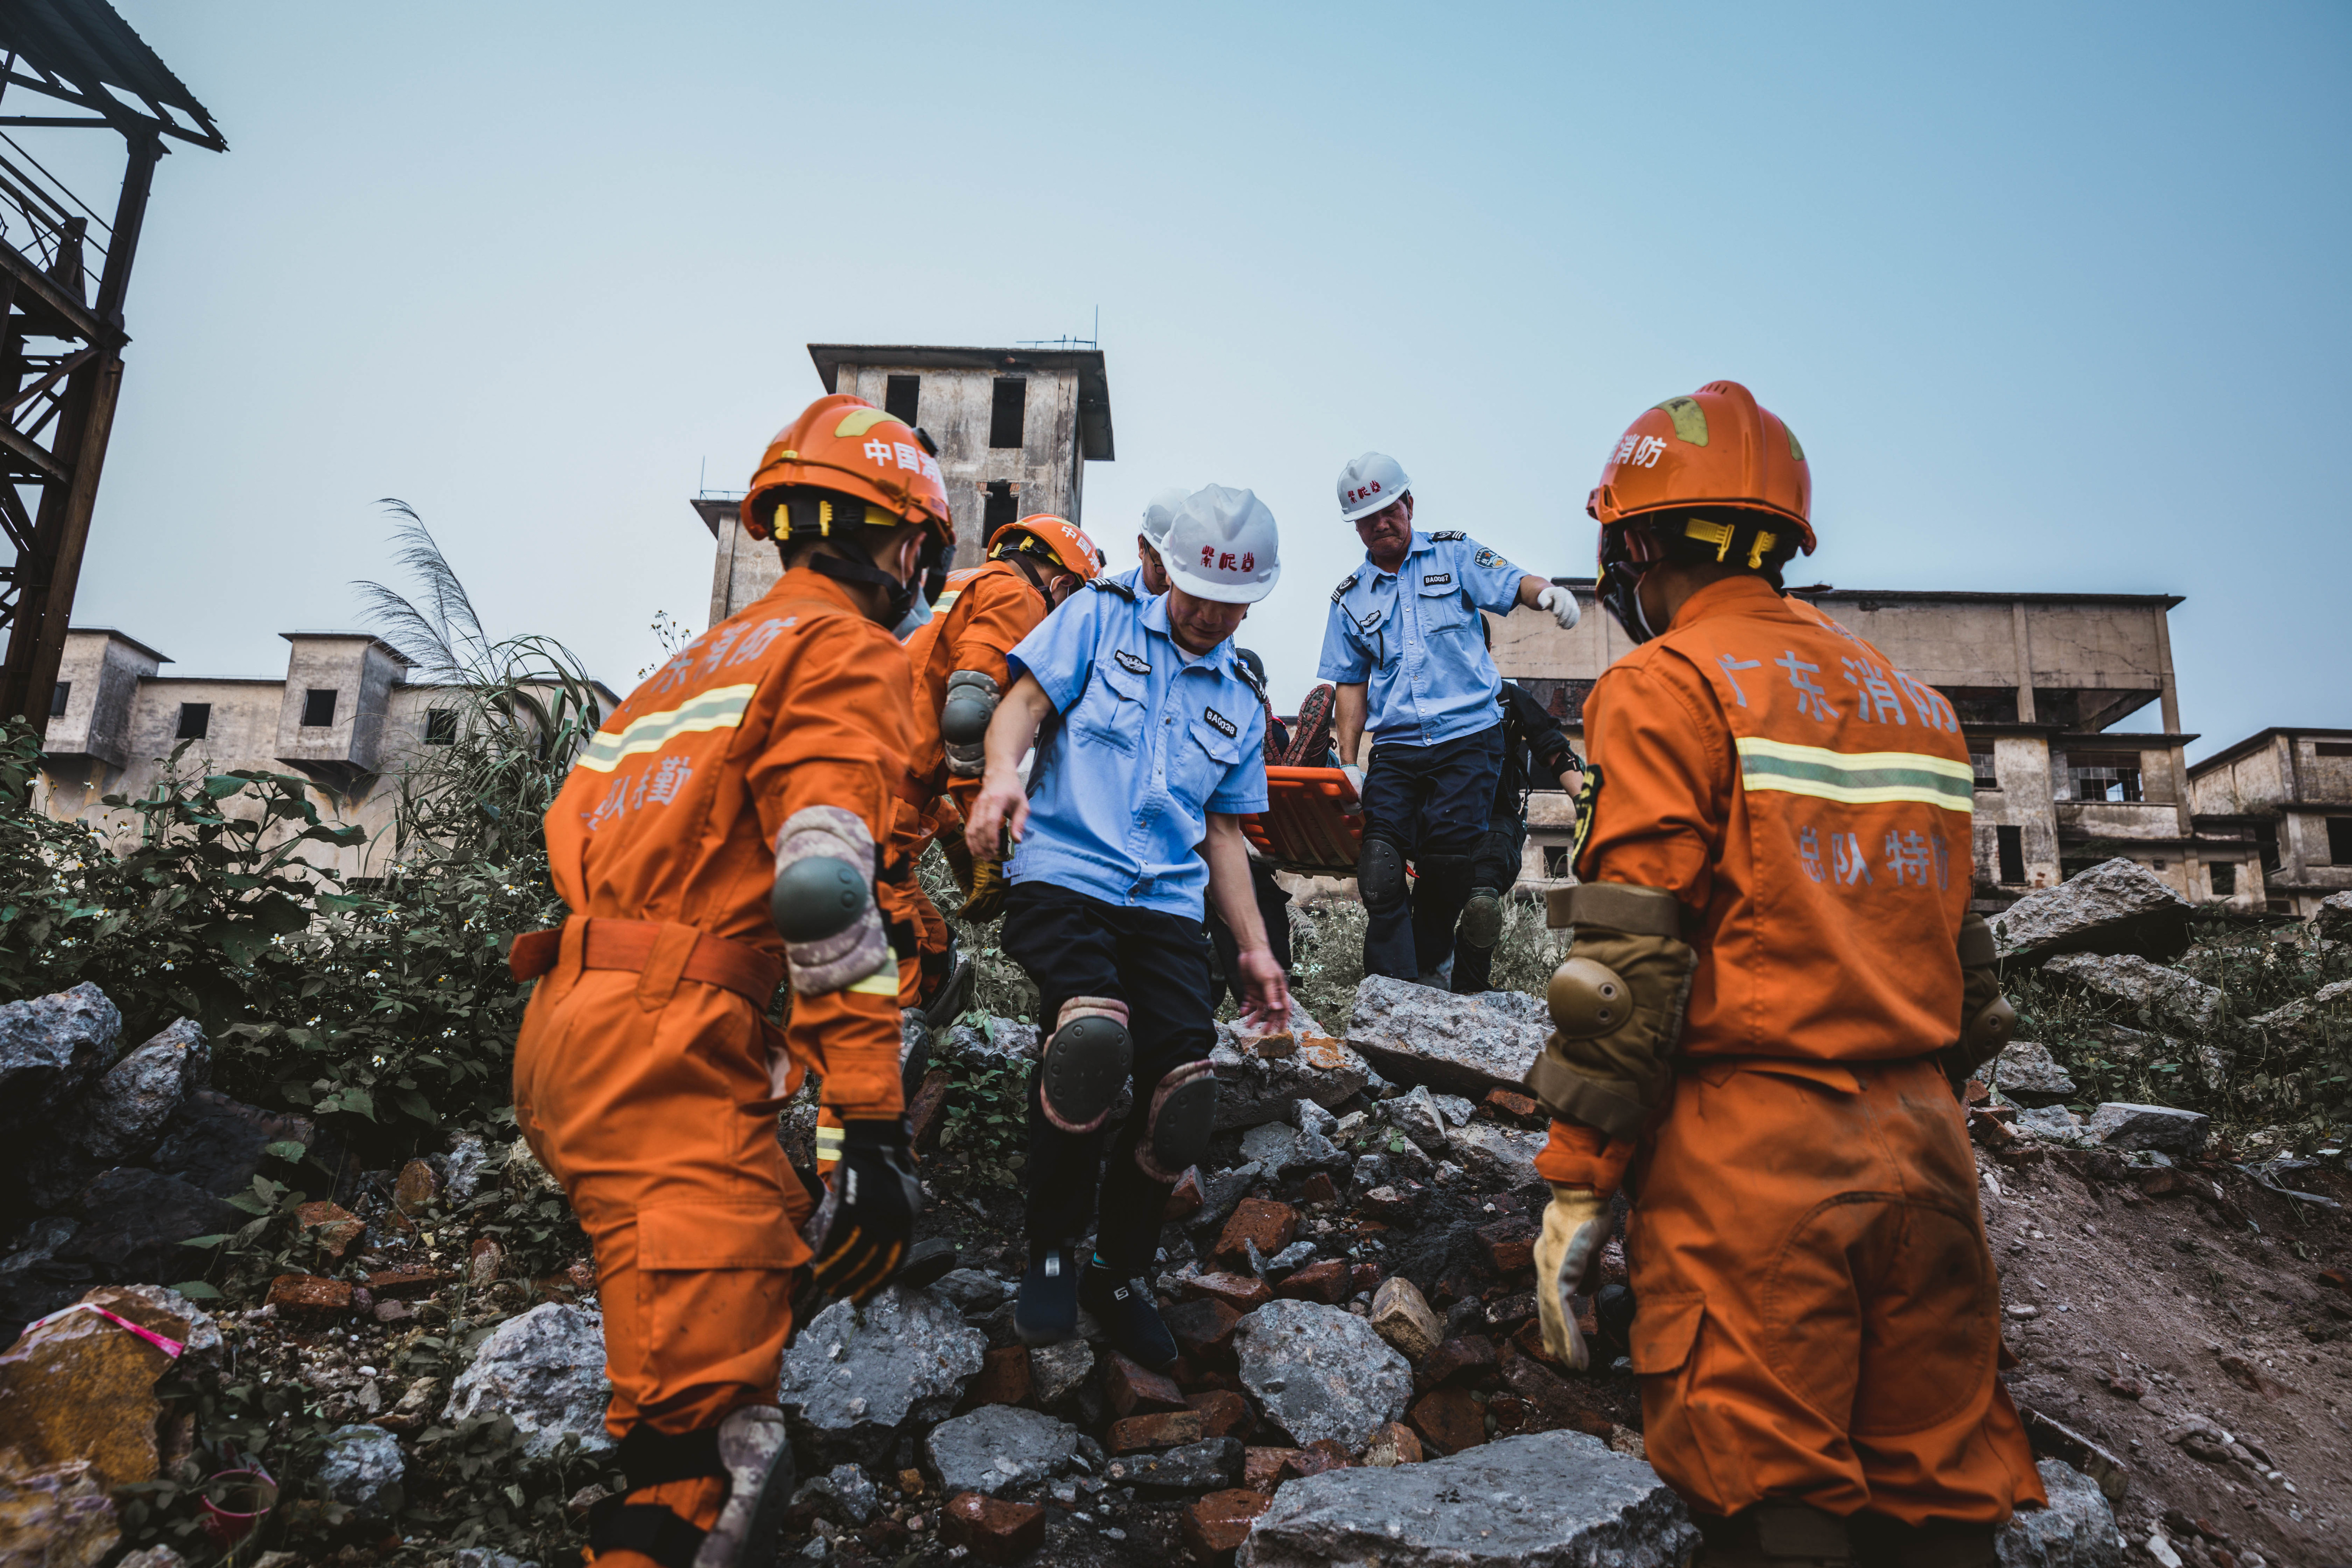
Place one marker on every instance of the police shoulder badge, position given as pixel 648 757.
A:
pixel 1349 580
pixel 1449 535
pixel 1110 585
pixel 1487 558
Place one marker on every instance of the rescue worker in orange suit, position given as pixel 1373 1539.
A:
pixel 1774 987
pixel 958 659
pixel 718 834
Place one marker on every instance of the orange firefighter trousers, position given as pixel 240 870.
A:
pixel 1818 1314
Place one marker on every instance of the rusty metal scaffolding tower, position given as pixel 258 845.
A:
pixel 70 64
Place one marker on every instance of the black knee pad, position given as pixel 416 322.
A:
pixel 1379 875
pixel 1086 1063
pixel 1176 1127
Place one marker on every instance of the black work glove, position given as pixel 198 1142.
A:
pixel 874 1201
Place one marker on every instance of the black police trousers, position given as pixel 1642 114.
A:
pixel 1432 802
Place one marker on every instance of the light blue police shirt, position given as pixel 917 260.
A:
pixel 1133 578
pixel 1411 637
pixel 1145 743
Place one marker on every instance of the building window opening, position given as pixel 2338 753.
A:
pixel 318 708
pixel 1004 414
pixel 1555 856
pixel 440 726
pixel 1982 762
pixel 1000 509
pixel 195 720
pixel 2334 748
pixel 2339 840
pixel 2102 776
pixel 2009 845
pixel 901 397
pixel 2224 874
pixel 60 692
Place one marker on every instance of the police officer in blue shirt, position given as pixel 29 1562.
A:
pixel 1149 733
pixel 1150 574
pixel 1402 642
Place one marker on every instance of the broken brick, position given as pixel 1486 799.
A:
pixel 1203 1331
pixel 1466 1357
pixel 1386 1203
pixel 1003 1378
pixel 1449 1419
pixel 992 1528
pixel 1269 1224
pixel 415 1188
pixel 1130 1386
pixel 1509 1413
pixel 1185 1198
pixel 1506 1313
pixel 1324 1280
pixel 1215 1526
pixel 1241 1292
pixel 332 1225
pixel 1161 1429
pixel 397 1283
pixel 1508 1103
pixel 1263 1468
pixel 310 1295
pixel 2337 1278
pixel 927 1111
pixel 1323 1454
pixel 1528 1340
pixel 1223 1414
pixel 1364 1276
pixel 1318 1188
pixel 1393 1444
pixel 1509 1244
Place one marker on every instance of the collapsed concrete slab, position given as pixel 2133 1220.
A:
pixel 1461 1045
pixel 2117 906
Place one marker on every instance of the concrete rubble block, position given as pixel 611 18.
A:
pixel 124 1115
pixel 133 1220
pixel 2171 998
pixel 1206 1466
pixel 1057 1371
pixel 2334 920
pixel 2308 1020
pixel 2076 1530
pixel 1401 1316
pixel 845 1493
pixel 361 1468
pixel 852 1378
pixel 546 1371
pixel 1497 1156
pixel 1415 1114
pixel 2027 1074
pixel 51 1047
pixel 80 1387
pixel 970 1289
pixel 1272 1147
pixel 992 1528
pixel 1460 1045
pixel 998 1449
pixel 1319 1372
pixel 1550 1500
pixel 470 1162
pixel 57 1517
pixel 2052 1124
pixel 1004 1040
pixel 2117 906
pixel 1252 1088
pixel 2120 1125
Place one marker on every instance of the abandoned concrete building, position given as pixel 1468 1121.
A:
pixel 2288 793
pixel 2041 682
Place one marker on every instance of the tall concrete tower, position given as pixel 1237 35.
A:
pixel 1015 428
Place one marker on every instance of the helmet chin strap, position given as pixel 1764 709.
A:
pixel 864 574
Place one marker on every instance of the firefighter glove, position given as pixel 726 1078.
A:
pixel 985 900
pixel 1575 1229
pixel 875 1198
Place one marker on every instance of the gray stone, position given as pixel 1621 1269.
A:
pixel 1414 1113
pixel 970 1289
pixel 2167 996
pixel 2333 918
pixel 1271 1146
pixel 2120 1125
pixel 154 1557
pixel 359 1466
pixel 1291 1259
pixel 1253 1086
pixel 1550 1500
pixel 852 1378
pixel 2118 906
pixel 2027 1074
pixel 1205 1466
pixel 1003 1040
pixel 998 1448
pixel 1056 1372
pixel 1464 1045
pixel 846 1493
pixel 50 1049
pixel 2076 1530
pixel 546 1370
pixel 2051 1124
pixel 1452 1107
pixel 1321 1373
pixel 1310 1117
pixel 1501 1157
pixel 2308 1020
pixel 468 1163
pixel 124 1115
pixel 1221 1190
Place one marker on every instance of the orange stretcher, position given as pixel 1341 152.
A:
pixel 1312 822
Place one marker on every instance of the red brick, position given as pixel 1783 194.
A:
pixel 2336 1277
pixel 1394 1444
pixel 310 1296
pixel 1215 1526
pixel 1387 1202
pixel 1203 1331
pixel 1505 1102
pixel 929 1110
pixel 1223 1414
pixel 1324 1280
pixel 1132 1387
pixel 1364 1276
pixel 1510 1243
pixel 1163 1429
pixel 485 1262
pixel 332 1225
pixel 415 1188
pixel 1261 1220
pixel 1003 1378
pixel 1463 1358
pixel 1241 1292
pixel 1528 1341
pixel 1318 1188
pixel 404 1283
pixel 1505 1313
pixel 993 1530
pixel 1323 1454
pixel 1449 1420
pixel 1263 1468
pixel 1510 1412
pixel 1184 1199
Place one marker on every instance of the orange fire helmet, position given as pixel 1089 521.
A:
pixel 847 445
pixel 1056 538
pixel 1717 447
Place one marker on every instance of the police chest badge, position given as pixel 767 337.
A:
pixel 1225 726
pixel 1132 663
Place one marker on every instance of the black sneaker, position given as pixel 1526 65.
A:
pixel 1048 1311
pixel 1124 1309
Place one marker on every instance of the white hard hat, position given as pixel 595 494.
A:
pixel 1160 513
pixel 1221 545
pixel 1370 483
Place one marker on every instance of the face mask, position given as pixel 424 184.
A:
pixel 919 614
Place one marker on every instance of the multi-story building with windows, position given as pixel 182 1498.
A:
pixel 2289 794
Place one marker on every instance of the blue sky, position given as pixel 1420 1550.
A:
pixel 2054 296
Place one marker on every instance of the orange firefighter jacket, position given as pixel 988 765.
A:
pixel 983 612
pixel 671 814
